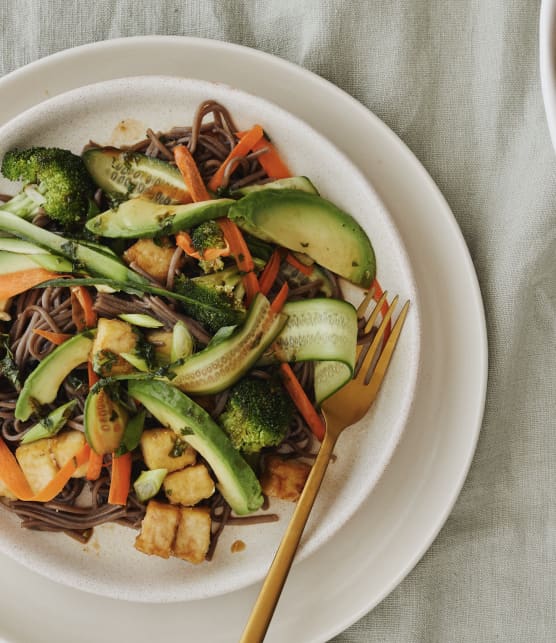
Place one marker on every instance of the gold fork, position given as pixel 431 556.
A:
pixel 341 410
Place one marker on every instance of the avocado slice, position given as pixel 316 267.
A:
pixel 308 223
pixel 41 387
pixel 236 480
pixel 142 218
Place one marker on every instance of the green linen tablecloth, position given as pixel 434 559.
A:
pixel 458 81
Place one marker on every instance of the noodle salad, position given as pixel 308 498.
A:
pixel 171 319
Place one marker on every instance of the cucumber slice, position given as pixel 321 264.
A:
pixel 291 183
pixel 142 218
pixel 223 363
pixel 133 174
pixel 13 244
pixel 15 262
pixel 41 387
pixel 141 319
pixel 104 422
pixel 148 483
pixel 236 480
pixel 93 261
pixel 316 329
pixel 182 342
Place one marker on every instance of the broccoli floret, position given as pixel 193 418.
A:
pixel 217 303
pixel 206 237
pixel 257 415
pixel 55 180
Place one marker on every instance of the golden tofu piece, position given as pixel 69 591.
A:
pixel 158 529
pixel 5 492
pixel 113 337
pixel 283 478
pixel 37 463
pixel 188 486
pixel 152 257
pixel 193 535
pixel 157 446
pixel 65 446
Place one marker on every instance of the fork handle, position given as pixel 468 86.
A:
pixel 265 604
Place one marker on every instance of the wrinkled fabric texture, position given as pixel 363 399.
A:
pixel 458 82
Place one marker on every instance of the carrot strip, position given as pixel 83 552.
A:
pixel 270 272
pixel 294 261
pixel 378 292
pixel 190 173
pixel 120 480
pixel 14 478
pixel 301 401
pixel 183 240
pixel 242 148
pixel 58 482
pixel 271 161
pixel 55 338
pixel 82 311
pixel 244 260
pixel 280 299
pixel 14 283
pixel 12 475
pixel 95 465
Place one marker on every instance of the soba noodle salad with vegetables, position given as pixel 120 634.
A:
pixel 171 318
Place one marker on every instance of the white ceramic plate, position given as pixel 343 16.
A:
pixel 373 552
pixel 109 564
pixel 547 56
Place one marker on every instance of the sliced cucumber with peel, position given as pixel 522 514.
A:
pixel 132 174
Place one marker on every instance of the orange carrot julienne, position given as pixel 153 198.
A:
pixel 120 480
pixel 95 465
pixel 294 261
pixel 82 311
pixel 14 478
pixel 271 161
pixel 242 148
pixel 190 173
pixel 183 240
pixel 14 283
pixel 301 401
pixel 280 299
pixel 242 256
pixel 55 338
pixel 12 475
pixel 270 272
pixel 58 482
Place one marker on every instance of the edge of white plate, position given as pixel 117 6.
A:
pixel 547 60
pixel 309 545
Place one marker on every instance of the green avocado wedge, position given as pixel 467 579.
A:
pixel 307 223
pixel 142 218
pixel 236 480
pixel 41 387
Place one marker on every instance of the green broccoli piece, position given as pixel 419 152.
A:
pixel 257 415
pixel 205 236
pixel 55 180
pixel 217 298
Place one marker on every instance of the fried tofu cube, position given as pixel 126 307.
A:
pixel 154 257
pixel 113 337
pixel 188 486
pixel 283 478
pixel 37 463
pixel 193 535
pixel 158 445
pixel 65 446
pixel 5 492
pixel 158 529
